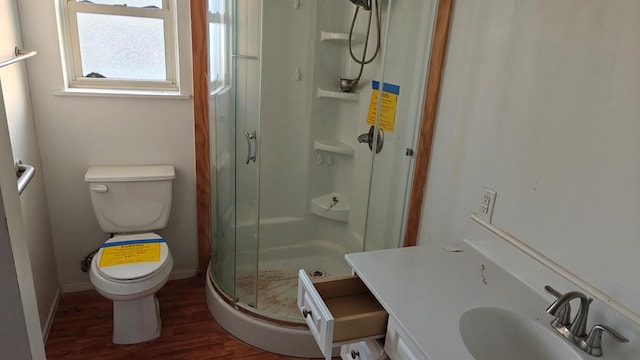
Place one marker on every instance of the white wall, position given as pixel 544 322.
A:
pixel 76 132
pixel 540 103
pixel 21 125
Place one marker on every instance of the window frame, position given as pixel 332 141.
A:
pixel 75 76
pixel 218 86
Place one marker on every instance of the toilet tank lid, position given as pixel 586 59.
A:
pixel 129 173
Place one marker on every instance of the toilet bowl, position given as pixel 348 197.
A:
pixel 132 286
pixel 130 267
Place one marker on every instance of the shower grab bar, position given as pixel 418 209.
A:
pixel 20 55
pixel 251 154
pixel 25 173
pixel 240 56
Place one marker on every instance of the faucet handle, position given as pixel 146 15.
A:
pixel 563 318
pixel 552 291
pixel 593 342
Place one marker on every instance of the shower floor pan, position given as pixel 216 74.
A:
pixel 274 323
pixel 277 287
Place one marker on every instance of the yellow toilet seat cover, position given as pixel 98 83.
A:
pixel 133 256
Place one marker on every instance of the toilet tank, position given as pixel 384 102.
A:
pixel 131 198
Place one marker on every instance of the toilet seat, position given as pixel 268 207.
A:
pixel 132 271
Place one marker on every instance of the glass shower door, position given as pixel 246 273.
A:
pixel 222 129
pixel 246 73
pixel 402 91
pixel 234 126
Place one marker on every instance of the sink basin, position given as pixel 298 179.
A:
pixel 495 334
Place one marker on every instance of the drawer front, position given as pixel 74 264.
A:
pixel 339 311
pixel 399 346
pixel 363 350
pixel 316 314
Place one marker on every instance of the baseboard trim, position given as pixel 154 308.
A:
pixel 51 316
pixel 77 286
pixel 182 274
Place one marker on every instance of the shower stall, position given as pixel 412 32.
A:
pixel 304 171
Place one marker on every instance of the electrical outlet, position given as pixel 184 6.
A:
pixel 487 202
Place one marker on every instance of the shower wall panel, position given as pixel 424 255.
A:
pixel 286 58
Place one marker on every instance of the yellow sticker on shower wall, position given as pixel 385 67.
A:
pixel 388 105
pixel 130 254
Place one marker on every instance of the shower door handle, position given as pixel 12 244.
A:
pixel 25 174
pixel 251 154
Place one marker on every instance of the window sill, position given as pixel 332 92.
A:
pixel 131 94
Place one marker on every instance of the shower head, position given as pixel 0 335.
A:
pixel 364 4
pixel 348 85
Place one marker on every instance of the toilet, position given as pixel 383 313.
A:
pixel 131 202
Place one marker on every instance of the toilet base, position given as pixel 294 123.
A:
pixel 136 321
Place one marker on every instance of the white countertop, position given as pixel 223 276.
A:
pixel 427 290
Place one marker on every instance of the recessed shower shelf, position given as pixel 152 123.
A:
pixel 339 95
pixel 333 146
pixel 332 206
pixel 340 37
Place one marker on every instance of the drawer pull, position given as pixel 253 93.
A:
pixel 355 354
pixel 305 312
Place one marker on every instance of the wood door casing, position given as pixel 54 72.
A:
pixel 201 129
pixel 428 122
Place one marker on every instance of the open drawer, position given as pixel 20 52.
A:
pixel 340 311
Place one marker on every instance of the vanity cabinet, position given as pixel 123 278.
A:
pixel 416 298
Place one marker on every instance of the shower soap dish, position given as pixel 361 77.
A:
pixel 333 146
pixel 340 37
pixel 337 94
pixel 332 206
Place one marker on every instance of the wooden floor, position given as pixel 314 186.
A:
pixel 82 329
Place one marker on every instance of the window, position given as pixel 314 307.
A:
pixel 219 20
pixel 121 44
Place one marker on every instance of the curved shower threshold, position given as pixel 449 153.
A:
pixel 295 341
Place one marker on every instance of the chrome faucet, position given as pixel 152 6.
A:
pixel 575 331
pixel 562 314
pixel 579 325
